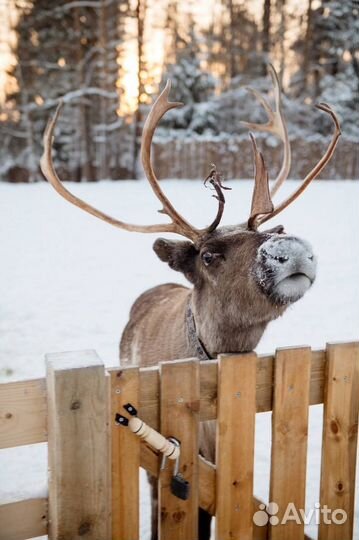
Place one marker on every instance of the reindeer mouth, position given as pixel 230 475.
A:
pixel 291 288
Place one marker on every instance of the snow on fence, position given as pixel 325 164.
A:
pixel 94 463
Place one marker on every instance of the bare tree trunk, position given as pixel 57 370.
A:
pixel 172 27
pixel 282 30
pixel 307 47
pixel 82 138
pixel 141 67
pixel 26 121
pixel 103 144
pixel 266 33
pixel 231 41
pixel 355 64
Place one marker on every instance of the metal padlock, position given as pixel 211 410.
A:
pixel 179 486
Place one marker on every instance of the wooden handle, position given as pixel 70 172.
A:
pixel 153 438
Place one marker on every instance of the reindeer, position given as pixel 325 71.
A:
pixel 242 278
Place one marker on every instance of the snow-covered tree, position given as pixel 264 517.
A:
pixel 191 83
pixel 70 51
pixel 329 46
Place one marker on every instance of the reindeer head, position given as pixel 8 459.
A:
pixel 249 275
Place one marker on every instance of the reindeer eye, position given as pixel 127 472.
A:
pixel 207 257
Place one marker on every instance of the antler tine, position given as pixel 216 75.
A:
pixel 215 179
pixel 316 170
pixel 178 224
pixel 261 199
pixel 50 174
pixel 276 124
pixel 159 108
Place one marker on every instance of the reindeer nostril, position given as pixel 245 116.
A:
pixel 311 257
pixel 282 259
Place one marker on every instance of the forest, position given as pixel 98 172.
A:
pixel 108 59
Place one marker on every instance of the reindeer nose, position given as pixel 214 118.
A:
pixel 285 268
pixel 287 255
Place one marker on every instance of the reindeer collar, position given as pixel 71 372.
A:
pixel 195 342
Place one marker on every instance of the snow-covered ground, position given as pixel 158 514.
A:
pixel 67 282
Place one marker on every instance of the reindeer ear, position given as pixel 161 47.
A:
pixel 179 255
pixel 278 229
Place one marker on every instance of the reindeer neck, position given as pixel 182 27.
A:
pixel 219 333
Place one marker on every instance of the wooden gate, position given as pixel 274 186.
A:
pixel 94 464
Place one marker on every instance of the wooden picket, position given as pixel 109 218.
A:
pixel 289 438
pixel 125 457
pixel 235 446
pixel 94 464
pixel 179 417
pixel 340 433
pixel 78 446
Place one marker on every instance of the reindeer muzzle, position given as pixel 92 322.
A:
pixel 286 268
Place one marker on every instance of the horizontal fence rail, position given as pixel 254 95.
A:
pixel 23 404
pixel 74 410
pixel 23 519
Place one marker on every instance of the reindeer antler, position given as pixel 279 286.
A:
pixel 315 171
pixel 215 179
pixel 262 207
pixel 261 199
pixel 178 224
pixel 276 124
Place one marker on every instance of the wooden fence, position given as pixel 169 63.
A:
pixel 191 158
pixel 94 464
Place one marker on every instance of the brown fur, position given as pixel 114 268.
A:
pixel 230 310
pixel 157 317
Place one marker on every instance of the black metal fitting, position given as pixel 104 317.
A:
pixel 130 409
pixel 121 420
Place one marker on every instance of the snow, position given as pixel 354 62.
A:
pixel 68 281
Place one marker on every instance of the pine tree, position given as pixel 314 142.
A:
pixel 330 45
pixel 191 84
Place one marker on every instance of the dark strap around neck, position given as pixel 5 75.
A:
pixel 194 340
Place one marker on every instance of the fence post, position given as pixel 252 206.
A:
pixel 124 388
pixel 78 446
pixel 180 400
pixel 289 439
pixel 235 446
pixel 340 434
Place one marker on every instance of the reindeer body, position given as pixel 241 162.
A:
pixel 157 315
pixel 241 281
pixel 229 307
